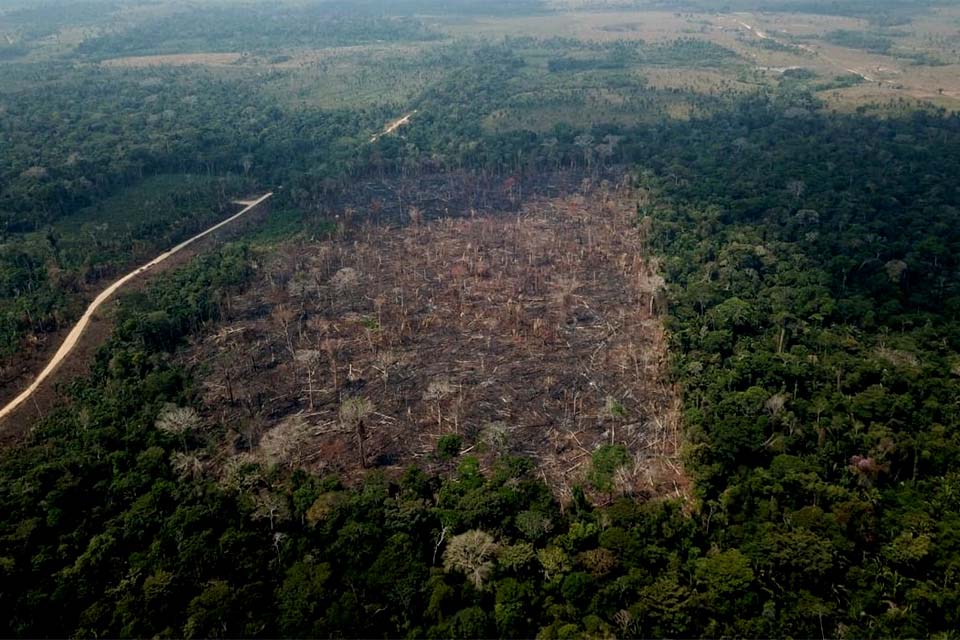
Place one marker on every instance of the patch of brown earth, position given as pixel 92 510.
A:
pixel 534 333
pixel 175 60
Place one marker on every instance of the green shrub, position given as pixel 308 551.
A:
pixel 606 460
pixel 449 446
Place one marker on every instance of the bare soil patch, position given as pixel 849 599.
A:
pixel 574 22
pixel 175 60
pixel 533 333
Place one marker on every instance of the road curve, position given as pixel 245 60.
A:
pixel 78 328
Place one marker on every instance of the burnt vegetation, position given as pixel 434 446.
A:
pixel 621 328
pixel 532 332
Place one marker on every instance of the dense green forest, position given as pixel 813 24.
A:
pixel 75 138
pixel 813 317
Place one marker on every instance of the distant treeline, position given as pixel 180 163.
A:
pixel 255 29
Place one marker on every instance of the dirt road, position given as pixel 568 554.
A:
pixel 393 126
pixel 756 32
pixel 70 342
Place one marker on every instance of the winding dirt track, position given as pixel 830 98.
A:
pixel 70 342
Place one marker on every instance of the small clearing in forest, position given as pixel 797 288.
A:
pixel 175 60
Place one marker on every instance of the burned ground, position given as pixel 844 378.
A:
pixel 533 332
pixel 388 199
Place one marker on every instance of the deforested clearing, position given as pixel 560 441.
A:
pixel 176 59
pixel 534 333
